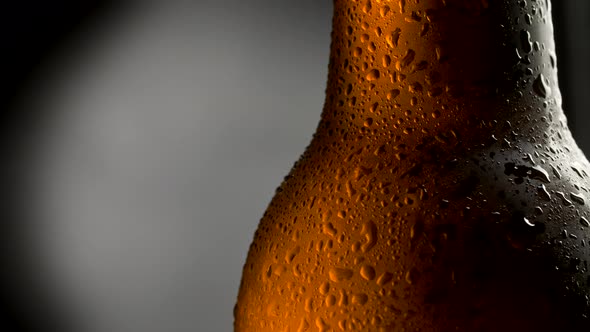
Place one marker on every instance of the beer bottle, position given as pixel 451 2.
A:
pixel 442 190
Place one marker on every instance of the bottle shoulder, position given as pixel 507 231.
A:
pixel 444 226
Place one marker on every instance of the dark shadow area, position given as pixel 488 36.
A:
pixel 572 30
pixel 561 38
pixel 30 33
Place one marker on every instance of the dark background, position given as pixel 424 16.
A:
pixel 142 141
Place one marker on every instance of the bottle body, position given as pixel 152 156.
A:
pixel 442 190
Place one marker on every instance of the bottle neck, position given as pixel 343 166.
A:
pixel 425 67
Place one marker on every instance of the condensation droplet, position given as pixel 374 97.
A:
pixel 393 39
pixel 556 172
pixel 577 171
pixel 343 300
pixel 303 326
pixel 544 193
pixel 406 60
pixel 564 199
pixel 357 52
pixel 291 255
pixel 359 299
pixel 329 229
pixel 541 87
pixel 374 74
pixel 369 231
pixel 340 274
pixel 386 60
pixel 367 272
pixel 537 172
pixel 525 41
pixel 384 278
pixel 578 198
pixel 321 324
pixel 392 94
pixel 367 7
pixel 402 6
pixel 309 305
pixel 330 300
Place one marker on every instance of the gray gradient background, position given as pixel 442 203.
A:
pixel 171 125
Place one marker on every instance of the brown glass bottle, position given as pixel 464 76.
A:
pixel 442 191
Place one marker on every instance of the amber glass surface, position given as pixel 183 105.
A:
pixel 442 190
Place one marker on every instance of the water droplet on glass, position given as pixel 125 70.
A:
pixel 384 278
pixel 303 326
pixel 291 255
pixel 330 300
pixel 544 193
pixel 537 172
pixel 386 60
pixel 578 198
pixel 577 171
pixel 329 229
pixel 374 74
pixel 368 272
pixel 392 94
pixel 343 301
pixel 359 299
pixel 525 41
pixel 321 324
pixel 564 199
pixel 406 60
pixel 540 86
pixel 309 305
pixel 369 231
pixel 556 172
pixel 402 6
pixel 393 39
pixel 340 274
